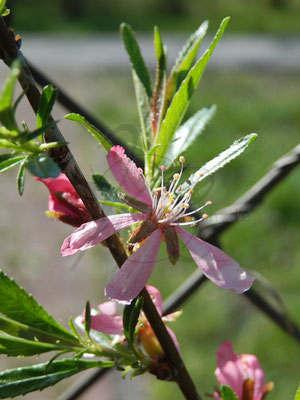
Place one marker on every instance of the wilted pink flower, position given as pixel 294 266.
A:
pixel 108 321
pixel 64 202
pixel 164 213
pixel 243 374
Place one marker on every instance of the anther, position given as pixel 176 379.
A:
pixel 140 171
pixel 181 159
pixel 208 203
pixel 204 216
pixel 176 177
pixel 190 192
pixel 162 168
pixel 184 205
pixel 200 174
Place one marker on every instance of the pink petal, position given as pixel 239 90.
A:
pixel 128 175
pixel 173 337
pixel 254 371
pixel 59 184
pixel 107 324
pixel 127 283
pixel 94 232
pixel 230 369
pixel 215 264
pixel 108 308
pixel 156 298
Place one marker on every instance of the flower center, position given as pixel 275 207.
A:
pixel 169 206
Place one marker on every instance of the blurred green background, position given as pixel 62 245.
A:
pixel 266 242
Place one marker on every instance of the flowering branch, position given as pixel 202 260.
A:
pixel 67 163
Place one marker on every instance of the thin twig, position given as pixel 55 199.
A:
pixel 68 165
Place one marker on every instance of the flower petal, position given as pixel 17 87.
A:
pixel 107 324
pixel 215 264
pixel 128 175
pixel 127 283
pixel 156 298
pixel 255 372
pixel 108 308
pixel 94 232
pixel 59 184
pixel 230 369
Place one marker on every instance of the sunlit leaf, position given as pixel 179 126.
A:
pixel 24 380
pixel 187 134
pixel 21 177
pixel 131 315
pixel 18 305
pixel 227 393
pixel 99 136
pixel 8 161
pixel 218 162
pixel 47 100
pixel 182 98
pixel 105 188
pixel 297 397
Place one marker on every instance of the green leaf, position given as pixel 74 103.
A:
pixel 228 393
pixel 26 137
pixel 160 81
pixel 24 380
pixel 3 10
pixel 18 305
pixel 141 81
pixel 297 397
pixel 182 98
pixel 21 177
pixel 218 162
pixel 131 315
pixel 15 347
pixel 47 100
pixel 8 161
pixel 118 206
pixel 105 188
pixel 187 134
pixel 42 166
pixel 6 97
pixel 136 58
pixel 99 136
pixel 87 319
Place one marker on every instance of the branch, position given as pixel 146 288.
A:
pixel 68 165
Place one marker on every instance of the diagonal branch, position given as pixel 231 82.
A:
pixel 68 165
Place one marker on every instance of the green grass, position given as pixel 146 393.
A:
pixel 265 242
pixel 255 16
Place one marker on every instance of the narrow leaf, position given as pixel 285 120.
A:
pixel 160 81
pixel 47 100
pixel 228 393
pixel 99 136
pixel 42 166
pixel 218 162
pixel 21 381
pixel 105 188
pixel 87 319
pixel 18 305
pixel 21 177
pixel 187 134
pixel 131 315
pixel 8 161
pixel 26 137
pixel 15 347
pixel 183 96
pixel 136 58
pixel 297 397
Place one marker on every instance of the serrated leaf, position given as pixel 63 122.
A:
pixel 187 134
pixel 99 136
pixel 131 315
pixel 15 347
pixel 21 381
pixel 21 177
pixel 182 98
pixel 105 188
pixel 237 148
pixel 160 81
pixel 136 58
pixel 18 305
pixel 8 161
pixel 227 393
pixel 47 100
pixel 42 166
pixel 297 397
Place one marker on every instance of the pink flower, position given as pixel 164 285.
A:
pixel 108 321
pixel 243 374
pixel 64 202
pixel 164 213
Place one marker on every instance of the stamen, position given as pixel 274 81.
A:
pixel 198 209
pixel 181 159
pixel 192 223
